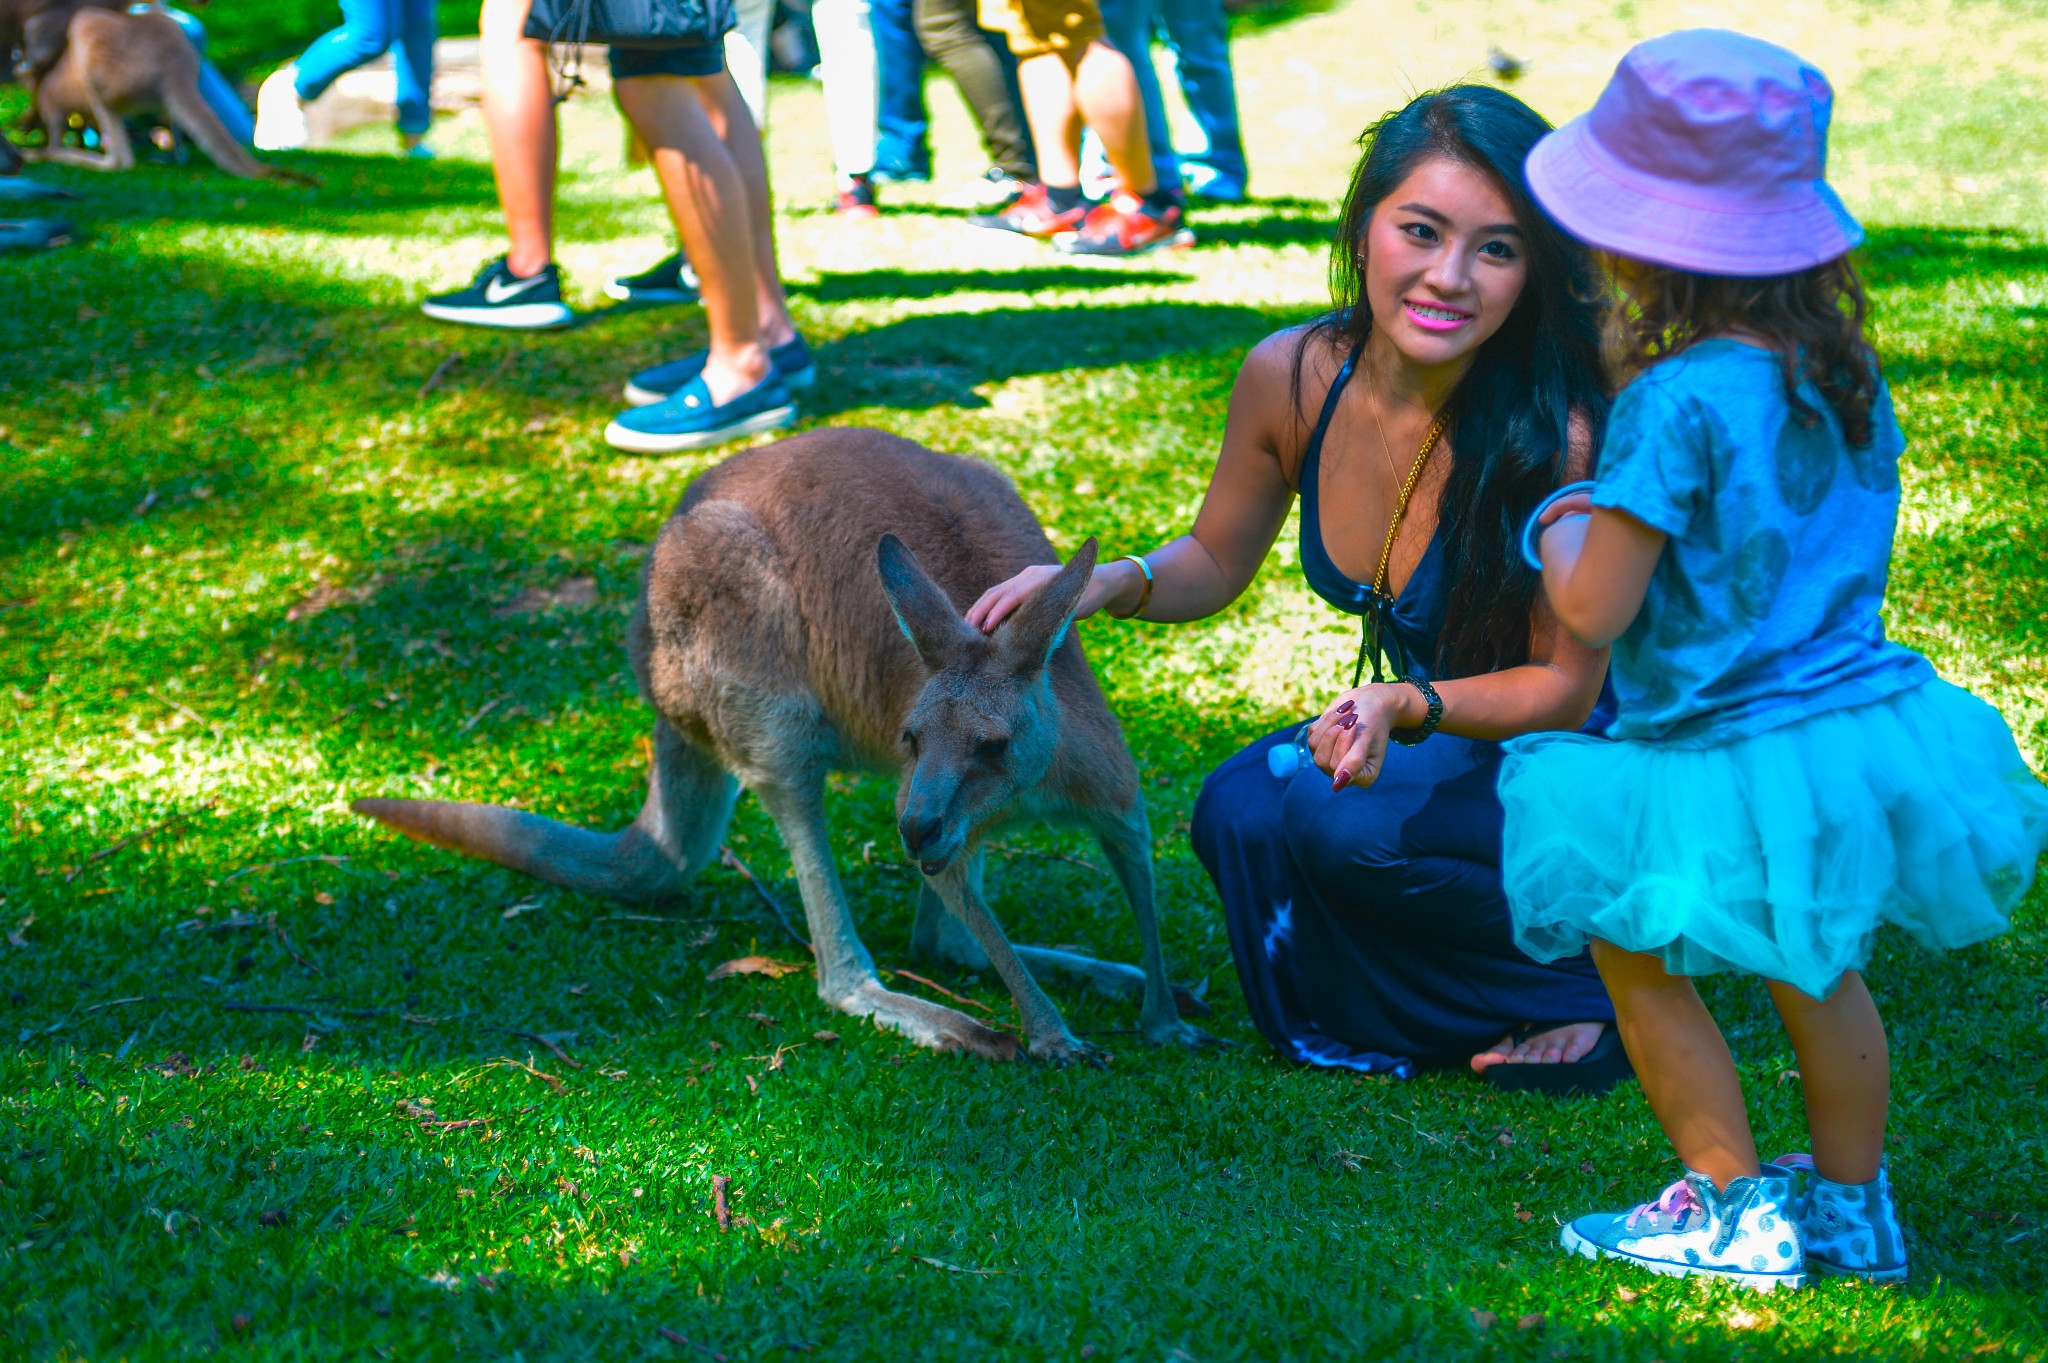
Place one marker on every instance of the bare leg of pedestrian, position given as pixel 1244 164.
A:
pixel 519 112
pixel 731 121
pixel 708 200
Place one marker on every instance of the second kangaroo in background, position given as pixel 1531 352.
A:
pixel 799 615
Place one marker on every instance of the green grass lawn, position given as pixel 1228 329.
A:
pixel 254 563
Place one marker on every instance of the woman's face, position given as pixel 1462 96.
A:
pixel 1444 263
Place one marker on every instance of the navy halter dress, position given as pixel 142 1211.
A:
pixel 1369 926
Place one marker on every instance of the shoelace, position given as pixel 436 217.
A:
pixel 1676 1200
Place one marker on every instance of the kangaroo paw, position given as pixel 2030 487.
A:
pixel 927 1024
pixel 1061 1049
pixel 1178 1033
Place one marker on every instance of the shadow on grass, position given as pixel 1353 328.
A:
pixel 891 284
pixel 933 361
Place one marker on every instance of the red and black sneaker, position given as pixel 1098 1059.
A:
pixel 1033 215
pixel 1123 225
pixel 856 198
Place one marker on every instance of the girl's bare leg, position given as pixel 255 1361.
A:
pixel 1683 1063
pixel 1845 1073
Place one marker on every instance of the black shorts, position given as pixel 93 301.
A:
pixel 698 60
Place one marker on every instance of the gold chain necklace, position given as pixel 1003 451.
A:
pixel 1436 431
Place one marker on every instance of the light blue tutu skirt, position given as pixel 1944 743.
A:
pixel 1778 854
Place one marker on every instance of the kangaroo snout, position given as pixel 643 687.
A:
pixel 927 839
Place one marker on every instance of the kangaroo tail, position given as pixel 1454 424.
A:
pixel 626 865
pixel 678 832
pixel 202 125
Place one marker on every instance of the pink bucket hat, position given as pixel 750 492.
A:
pixel 1704 153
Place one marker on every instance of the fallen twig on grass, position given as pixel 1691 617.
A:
pixel 548 1040
pixel 473 720
pixel 731 859
pixel 551 1080
pixel 972 1272
pixel 272 865
pixel 185 710
pixel 1008 852
pixel 314 1009
pixel 688 1343
pixel 934 985
pixel 440 372
pixel 720 1207
pixel 132 839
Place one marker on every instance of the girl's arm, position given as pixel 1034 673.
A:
pixel 1597 563
pixel 1556 689
pixel 1203 571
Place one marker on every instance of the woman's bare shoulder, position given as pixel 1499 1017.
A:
pixel 1282 383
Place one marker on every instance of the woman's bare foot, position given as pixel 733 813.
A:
pixel 1560 1045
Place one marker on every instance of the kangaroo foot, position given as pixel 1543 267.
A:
pixel 1174 1032
pixel 1113 978
pixel 1061 1049
pixel 927 1024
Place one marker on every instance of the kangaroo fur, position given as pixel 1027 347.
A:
pixel 800 613
pixel 108 65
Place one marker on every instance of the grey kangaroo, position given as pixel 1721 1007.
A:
pixel 798 614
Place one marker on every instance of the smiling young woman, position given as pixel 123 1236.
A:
pixel 1452 387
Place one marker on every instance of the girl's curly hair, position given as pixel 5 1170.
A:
pixel 1813 319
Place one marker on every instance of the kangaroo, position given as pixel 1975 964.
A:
pixel 799 613
pixel 114 64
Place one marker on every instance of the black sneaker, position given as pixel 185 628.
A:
pixel 672 281
pixel 499 298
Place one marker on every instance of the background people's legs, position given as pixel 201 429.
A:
pixel 1199 33
pixel 1130 25
pixel 519 113
pixel 708 200
pixel 369 28
pixel 413 54
pixel 902 125
pixel 983 69
pixel 847 70
pixel 746 55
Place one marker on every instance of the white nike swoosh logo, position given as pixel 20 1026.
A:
pixel 497 292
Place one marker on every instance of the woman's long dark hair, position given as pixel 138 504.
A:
pixel 1509 419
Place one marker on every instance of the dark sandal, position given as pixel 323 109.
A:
pixel 1591 1075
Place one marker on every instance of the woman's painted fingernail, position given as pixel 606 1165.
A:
pixel 1342 780
pixel 1346 706
pixel 1347 721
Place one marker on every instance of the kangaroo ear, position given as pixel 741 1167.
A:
pixel 928 619
pixel 1040 624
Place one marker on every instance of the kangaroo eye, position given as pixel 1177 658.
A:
pixel 993 749
pixel 910 740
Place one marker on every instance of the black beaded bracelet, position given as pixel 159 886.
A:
pixel 1408 738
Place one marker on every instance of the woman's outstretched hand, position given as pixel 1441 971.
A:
pixel 1349 740
pixel 997 603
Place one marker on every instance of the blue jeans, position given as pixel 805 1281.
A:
pixel 901 123
pixel 220 96
pixel 1200 39
pixel 369 29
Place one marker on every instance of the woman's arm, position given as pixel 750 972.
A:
pixel 1201 572
pixel 1556 689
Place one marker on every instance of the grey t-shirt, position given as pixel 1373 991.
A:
pixel 1763 609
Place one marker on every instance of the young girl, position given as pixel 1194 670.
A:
pixel 1782 778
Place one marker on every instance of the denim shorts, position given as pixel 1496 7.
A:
pixel 697 60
